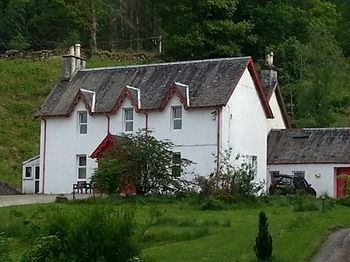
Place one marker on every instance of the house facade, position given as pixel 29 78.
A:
pixel 203 107
pixel 322 156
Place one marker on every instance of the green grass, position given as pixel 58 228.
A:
pixel 181 231
pixel 24 84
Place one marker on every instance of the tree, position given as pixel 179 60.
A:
pixel 263 241
pixel 202 29
pixel 145 162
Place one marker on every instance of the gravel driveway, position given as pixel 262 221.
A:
pixel 14 200
pixel 336 248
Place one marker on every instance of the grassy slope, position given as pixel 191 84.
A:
pixel 24 84
pixel 183 232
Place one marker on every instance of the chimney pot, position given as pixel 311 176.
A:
pixel 77 50
pixel 71 50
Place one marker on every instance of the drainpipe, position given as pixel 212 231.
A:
pixel 146 116
pixel 108 123
pixel 44 157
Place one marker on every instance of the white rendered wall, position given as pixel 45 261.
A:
pixel 197 140
pixel 322 177
pixel 277 122
pixel 64 143
pixel 244 124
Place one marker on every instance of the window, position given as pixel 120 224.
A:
pixel 177 117
pixel 37 172
pixel 82 122
pixel 82 167
pixel 300 174
pixel 254 164
pixel 274 175
pixel 176 167
pixel 28 173
pixel 129 119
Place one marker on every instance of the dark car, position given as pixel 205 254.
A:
pixel 285 184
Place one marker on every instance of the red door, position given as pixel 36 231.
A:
pixel 342 174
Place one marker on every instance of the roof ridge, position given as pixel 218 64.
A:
pixel 164 64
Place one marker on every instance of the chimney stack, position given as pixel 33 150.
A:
pixel 72 63
pixel 268 74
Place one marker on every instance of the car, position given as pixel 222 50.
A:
pixel 285 184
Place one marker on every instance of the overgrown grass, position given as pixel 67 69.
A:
pixel 178 230
pixel 24 85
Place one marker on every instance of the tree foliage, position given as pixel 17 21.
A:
pixel 144 162
pixel 310 39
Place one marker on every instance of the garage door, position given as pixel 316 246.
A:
pixel 342 174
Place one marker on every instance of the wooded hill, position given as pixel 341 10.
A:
pixel 310 39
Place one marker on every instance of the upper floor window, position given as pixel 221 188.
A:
pixel 177 117
pixel 82 122
pixel 128 119
pixel 82 162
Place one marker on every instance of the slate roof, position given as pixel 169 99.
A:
pixel 306 146
pixel 211 83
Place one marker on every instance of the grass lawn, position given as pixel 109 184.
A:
pixel 172 230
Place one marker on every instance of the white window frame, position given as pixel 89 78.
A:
pixel 81 167
pixel 173 118
pixel 81 124
pixel 126 121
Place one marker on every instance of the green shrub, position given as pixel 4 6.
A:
pixel 4 251
pixel 94 234
pixel 263 241
pixel 212 204
pixel 344 201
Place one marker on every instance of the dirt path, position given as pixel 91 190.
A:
pixel 336 248
pixel 14 200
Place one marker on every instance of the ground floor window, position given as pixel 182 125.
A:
pixel 176 168
pixel 274 175
pixel 82 161
pixel 300 174
pixel 28 173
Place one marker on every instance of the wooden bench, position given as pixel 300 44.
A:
pixel 83 187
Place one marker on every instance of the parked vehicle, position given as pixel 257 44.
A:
pixel 285 184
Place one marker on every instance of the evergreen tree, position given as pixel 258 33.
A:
pixel 263 241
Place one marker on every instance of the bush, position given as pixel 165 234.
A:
pixel 263 241
pixel 95 234
pixel 212 204
pixel 4 252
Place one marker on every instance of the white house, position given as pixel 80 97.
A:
pixel 202 106
pixel 322 156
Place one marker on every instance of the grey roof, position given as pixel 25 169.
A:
pixel 302 146
pixel 211 83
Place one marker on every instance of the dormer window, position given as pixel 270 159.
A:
pixel 82 116
pixel 177 117
pixel 128 120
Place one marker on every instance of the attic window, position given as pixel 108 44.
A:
pixel 82 116
pixel 177 117
pixel 128 120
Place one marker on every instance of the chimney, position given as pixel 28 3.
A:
pixel 73 62
pixel 268 74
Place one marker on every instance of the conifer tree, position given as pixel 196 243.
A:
pixel 263 241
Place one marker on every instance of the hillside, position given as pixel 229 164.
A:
pixel 24 85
